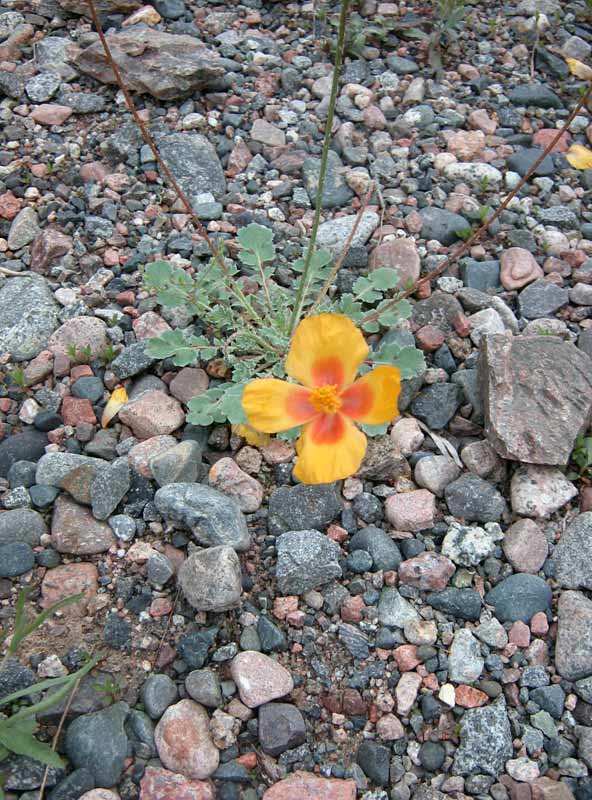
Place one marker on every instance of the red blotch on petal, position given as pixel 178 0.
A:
pixel 327 428
pixel 327 372
pixel 298 405
pixel 356 400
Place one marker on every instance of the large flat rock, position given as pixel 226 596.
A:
pixel 537 396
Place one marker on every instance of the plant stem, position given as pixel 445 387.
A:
pixel 464 248
pixel 305 277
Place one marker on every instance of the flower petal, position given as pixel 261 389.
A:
pixel 373 398
pixel 251 436
pixel 272 405
pixel 116 401
pixel 579 157
pixel 330 448
pixel 326 349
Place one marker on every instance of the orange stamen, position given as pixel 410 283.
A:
pixel 325 399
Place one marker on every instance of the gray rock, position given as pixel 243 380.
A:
pixel 22 773
pixel 306 559
pixel 481 275
pixel 465 664
pixel 53 468
pixel 418 117
pixel 474 499
pixel 393 610
pixel 461 603
pixel 14 677
pixel 16 558
pixel 110 487
pixel 573 649
pixel 401 66
pixel 165 65
pixel 28 316
pixel 519 597
pixel 384 551
pixel 437 404
pixel 281 727
pixel 52 54
pixel 442 225
pixel 485 741
pixel 212 517
pixel 522 161
pixel 29 445
pixel 211 579
pixel 180 464
pixel 158 693
pixel 561 216
pixel 98 742
pixel 334 233
pixel 123 526
pixel 302 507
pixel 440 309
pixel 573 554
pixel 194 163
pixel 82 102
pixel 534 94
pixel 43 86
pixel 374 760
pixel 21 525
pixel 203 686
pixel 132 360
pixel 468 546
pixel 550 699
pixel 435 473
pixel 24 228
pixel 336 192
pixel 583 688
pixel 519 400
pixel 542 299
pixel 159 570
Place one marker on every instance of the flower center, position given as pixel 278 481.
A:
pixel 326 399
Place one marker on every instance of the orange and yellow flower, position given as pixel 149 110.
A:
pixel 326 353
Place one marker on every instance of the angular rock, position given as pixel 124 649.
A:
pixel 542 299
pixel 281 727
pixel 465 663
pixel 461 603
pixel 184 743
pixel 226 476
pixel 540 491
pixel 573 649
pixel 474 499
pixel 469 546
pixel 211 579
pixel 442 225
pixel 74 529
pixel 109 488
pixel 305 560
pixel 485 741
pixel 67 580
pixel 194 162
pixel 525 546
pixel 526 381
pixel 393 610
pixel 306 786
pixel 179 464
pixel 212 518
pixel 54 468
pixel 519 597
pixel 79 333
pixel 98 742
pixel 573 554
pixel 165 65
pixel 162 784
pixel 28 316
pixel 427 571
pixel 399 255
pixel 374 760
pixel 411 511
pixel 259 678
pixel 152 413
pixel 302 507
pixel 336 192
pixel 334 233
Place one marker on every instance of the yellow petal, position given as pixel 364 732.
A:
pixel 579 69
pixel 579 157
pixel 373 398
pixel 331 448
pixel 118 398
pixel 251 436
pixel 272 405
pixel 326 349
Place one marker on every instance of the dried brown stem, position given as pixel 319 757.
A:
pixel 56 737
pixel 466 246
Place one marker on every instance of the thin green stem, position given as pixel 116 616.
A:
pixel 306 272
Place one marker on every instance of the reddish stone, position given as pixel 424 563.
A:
pixel 184 742
pixel 125 298
pixel 401 256
pixel 354 704
pixel 51 114
pixel 152 413
pixel 9 205
pixel 428 571
pixel 161 607
pixel 49 245
pixel 282 606
pixel 469 697
pixel 296 619
pixel 161 784
pixel 81 371
pixel 336 533
pixel 351 609
pixel 519 634
pixel 93 171
pixel 517 789
pixel 306 786
pixel 547 789
pixel 149 325
pixel 545 136
pixel 429 338
pixel 406 692
pixel 67 580
pixel 277 452
pixel 239 159
pixel 539 624
pixel 39 368
pixel 411 511
pixel 406 657
pixel 525 546
pixel 586 499
pixel 76 410
pixel 190 382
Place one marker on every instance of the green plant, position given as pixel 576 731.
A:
pixel 108 354
pixel 447 18
pixel 17 377
pixel 582 458
pixel 17 729
pixel 81 355
pixel 110 688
